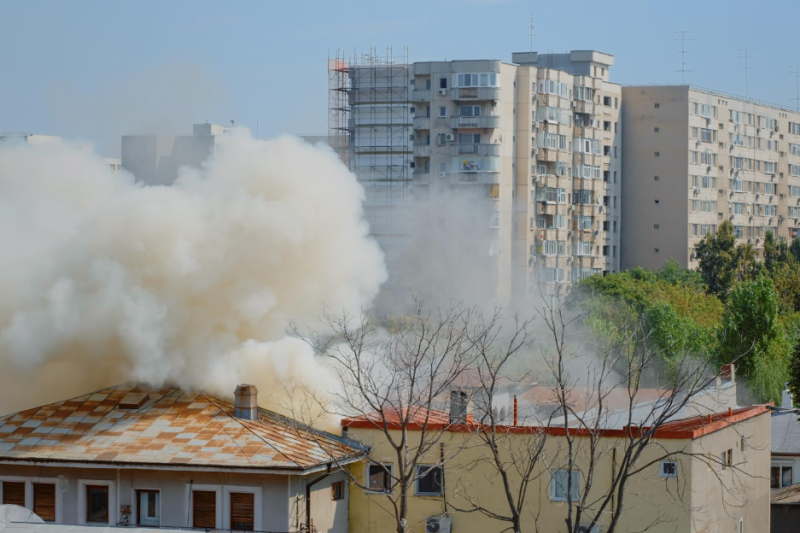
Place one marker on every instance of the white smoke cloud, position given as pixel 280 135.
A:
pixel 105 280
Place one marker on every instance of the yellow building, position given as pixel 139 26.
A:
pixel 711 482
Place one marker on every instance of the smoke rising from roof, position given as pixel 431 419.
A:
pixel 105 280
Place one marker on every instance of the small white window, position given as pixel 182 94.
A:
pixel 560 485
pixel 442 111
pixel 668 469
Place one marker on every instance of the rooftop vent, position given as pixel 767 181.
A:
pixel 459 402
pixel 246 402
pixel 133 400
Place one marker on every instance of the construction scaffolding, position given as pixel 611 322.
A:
pixel 370 125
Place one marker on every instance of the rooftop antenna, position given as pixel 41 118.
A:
pixel 746 57
pixel 681 36
pixel 795 69
pixel 231 122
pixel 257 137
pixel 533 31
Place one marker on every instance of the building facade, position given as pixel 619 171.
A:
pixel 137 456
pixel 512 170
pixel 695 158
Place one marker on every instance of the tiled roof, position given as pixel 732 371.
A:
pixel 169 428
pixel 790 494
pixel 785 432
pixel 414 418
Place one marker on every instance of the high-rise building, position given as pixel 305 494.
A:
pixel 155 159
pixel 511 170
pixel 694 158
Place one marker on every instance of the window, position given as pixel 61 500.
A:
pixel 148 508
pixel 726 459
pixel 668 469
pixel 443 83
pixel 738 232
pixel 794 128
pixel 44 501
pixel 494 222
pixel 337 490
pixel 494 191
pixel 655 250
pixel 607 102
pixel 14 493
pixel 483 79
pixel 442 111
pixel 584 93
pixel 561 484
pixel 655 226
pixel 780 476
pixel 656 129
pixel 657 154
pixel 469 110
pixel 379 478
pixel 242 511
pixel 97 504
pixel 708 111
pixel 553 141
pixel 429 479
pixel 656 105
pixel 204 509
pixel 707 135
pixel 657 201
pixel 769 167
pixel 794 190
pixel 655 178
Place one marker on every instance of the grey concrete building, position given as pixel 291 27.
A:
pixel 510 171
pixel 156 159
pixel 694 158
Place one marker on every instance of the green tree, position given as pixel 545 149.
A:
pixel 776 252
pixel 753 338
pixel 794 248
pixel 715 253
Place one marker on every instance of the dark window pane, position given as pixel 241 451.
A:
pixel 775 477
pixel 96 504
pixel 13 493
pixel 429 480
pixel 378 478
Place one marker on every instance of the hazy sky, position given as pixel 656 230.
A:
pixel 97 69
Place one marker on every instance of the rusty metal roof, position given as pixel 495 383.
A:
pixel 170 428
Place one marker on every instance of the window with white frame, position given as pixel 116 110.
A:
pixel 736 139
pixel 583 222
pixel 708 158
pixel 737 162
pixel 668 469
pixel 737 116
pixel 794 212
pixel 242 508
pixel 704 206
pixel 770 188
pixel 469 111
pixel 473 79
pixel 794 149
pixel 494 221
pixel 737 185
pixel 442 111
pixel 545 275
pixel 560 168
pixel 770 210
pixel 766 122
pixel 41 495
pixel 583 248
pixel 737 208
pixel 708 111
pixel 96 502
pixel 148 507
pixel 379 478
pixel 794 190
pixel 553 87
pixel 794 170
pixel 565 483
pixel 582 196
pixel 552 141
pixel 560 221
pixel 794 128
pixel 584 93
pixel 738 231
pixel 708 135
pixel 587 146
pixel 769 167
pixel 554 114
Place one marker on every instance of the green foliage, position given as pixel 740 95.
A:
pixel 753 337
pixel 723 263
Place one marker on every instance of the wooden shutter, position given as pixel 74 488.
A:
pixel 13 493
pixel 44 501
pixel 204 509
pixel 242 511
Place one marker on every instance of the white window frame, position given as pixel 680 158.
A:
pixel 664 474
pixel 574 472
pixel 416 481
pixel 112 501
pixel 190 502
pixel 387 466
pixel 226 504
pixel 135 506
pixel 29 481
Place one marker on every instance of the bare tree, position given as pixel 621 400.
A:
pixel 396 377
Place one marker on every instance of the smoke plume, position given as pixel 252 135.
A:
pixel 104 280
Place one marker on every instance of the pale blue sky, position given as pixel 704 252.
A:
pixel 97 69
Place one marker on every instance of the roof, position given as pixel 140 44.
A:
pixel 686 428
pixel 582 398
pixel 165 428
pixel 786 495
pixel 418 418
pixel 785 432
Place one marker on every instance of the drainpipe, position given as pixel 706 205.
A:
pixel 308 495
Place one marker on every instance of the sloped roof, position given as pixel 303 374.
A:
pixel 165 427
pixel 785 432
pixel 786 495
pixel 414 418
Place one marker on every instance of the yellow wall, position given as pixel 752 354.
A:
pixel 686 504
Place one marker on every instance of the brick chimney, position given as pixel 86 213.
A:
pixel 459 402
pixel 246 402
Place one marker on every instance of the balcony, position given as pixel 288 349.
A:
pixel 474 94
pixel 477 149
pixel 422 123
pixel 421 95
pixel 475 122
pixel 482 177
pixel 582 106
pixel 422 150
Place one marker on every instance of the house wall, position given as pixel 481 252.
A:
pixel 280 506
pixel 669 504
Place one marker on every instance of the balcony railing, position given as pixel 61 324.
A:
pixel 422 123
pixel 421 95
pixel 422 150
pixel 478 149
pixel 474 122
pixel 475 93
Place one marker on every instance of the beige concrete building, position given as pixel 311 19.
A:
pixel 512 168
pixel 694 158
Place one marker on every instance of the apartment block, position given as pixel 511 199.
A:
pixel 513 168
pixel 694 158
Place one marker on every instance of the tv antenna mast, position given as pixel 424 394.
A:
pixel 745 55
pixel 533 31
pixel 681 36
pixel 795 69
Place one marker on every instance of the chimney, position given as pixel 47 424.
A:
pixel 458 407
pixel 728 373
pixel 786 399
pixel 246 402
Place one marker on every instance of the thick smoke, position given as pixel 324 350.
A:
pixel 105 280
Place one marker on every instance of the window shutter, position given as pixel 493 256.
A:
pixel 204 509
pixel 44 501
pixel 13 493
pixel 242 511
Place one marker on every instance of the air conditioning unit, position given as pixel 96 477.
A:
pixel 442 92
pixel 449 137
pixel 758 195
pixel 586 528
pixel 696 191
pixel 442 173
pixel 771 198
pixel 437 524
